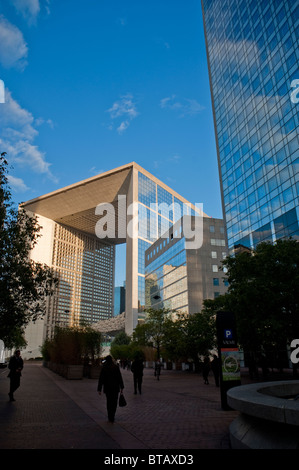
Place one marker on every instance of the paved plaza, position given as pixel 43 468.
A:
pixel 178 412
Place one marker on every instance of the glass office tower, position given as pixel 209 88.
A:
pixel 158 210
pixel 253 56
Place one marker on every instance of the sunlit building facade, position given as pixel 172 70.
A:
pixel 159 208
pixel 85 268
pixel 180 278
pixel 253 57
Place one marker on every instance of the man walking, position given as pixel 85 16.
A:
pixel 111 381
pixel 137 369
pixel 15 367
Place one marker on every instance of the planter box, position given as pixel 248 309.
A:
pixel 94 372
pixel 74 372
pixel 67 371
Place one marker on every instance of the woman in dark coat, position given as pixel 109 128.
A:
pixel 112 383
pixel 137 369
pixel 206 370
pixel 15 367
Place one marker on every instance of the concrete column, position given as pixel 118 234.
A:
pixel 132 255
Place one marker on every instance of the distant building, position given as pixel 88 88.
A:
pixel 81 224
pixel 180 278
pixel 253 56
pixel 119 300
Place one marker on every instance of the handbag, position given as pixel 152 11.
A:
pixel 122 400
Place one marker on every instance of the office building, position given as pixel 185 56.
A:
pixel 180 278
pixel 253 56
pixel 81 224
pixel 119 300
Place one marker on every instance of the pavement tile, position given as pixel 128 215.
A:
pixel 50 412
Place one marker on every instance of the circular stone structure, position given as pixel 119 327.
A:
pixel 269 415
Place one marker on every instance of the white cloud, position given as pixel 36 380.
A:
pixel 186 107
pixel 40 121
pixel 123 126
pixel 124 111
pixel 28 8
pixel 14 115
pixel 13 48
pixel 17 135
pixel 17 184
pixel 175 158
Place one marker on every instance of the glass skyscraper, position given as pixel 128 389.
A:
pixel 253 56
pixel 158 209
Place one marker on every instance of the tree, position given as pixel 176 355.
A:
pixel 198 335
pixel 177 335
pixel 263 294
pixel 152 331
pixel 120 346
pixel 24 284
pixel 121 338
pixel 72 345
pixel 174 337
pixel 92 340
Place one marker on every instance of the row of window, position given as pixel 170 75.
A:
pixel 85 269
pixel 257 134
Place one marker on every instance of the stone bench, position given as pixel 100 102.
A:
pixel 269 415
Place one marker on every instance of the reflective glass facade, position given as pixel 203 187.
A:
pixel 119 300
pixel 179 278
pixel 166 277
pixel 158 209
pixel 253 57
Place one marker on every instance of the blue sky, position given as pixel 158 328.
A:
pixel 93 85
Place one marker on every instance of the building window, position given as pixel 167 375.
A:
pixel 215 268
pixel 214 254
pixel 217 242
pixel 215 281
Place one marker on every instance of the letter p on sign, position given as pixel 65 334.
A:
pixel 228 334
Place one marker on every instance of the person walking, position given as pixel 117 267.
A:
pixel 215 369
pixel 157 369
pixel 206 370
pixel 111 381
pixel 15 366
pixel 137 369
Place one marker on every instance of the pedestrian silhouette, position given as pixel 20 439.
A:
pixel 112 383
pixel 206 370
pixel 15 366
pixel 157 369
pixel 215 369
pixel 137 369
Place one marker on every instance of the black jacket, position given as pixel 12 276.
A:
pixel 110 379
pixel 15 366
pixel 137 368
